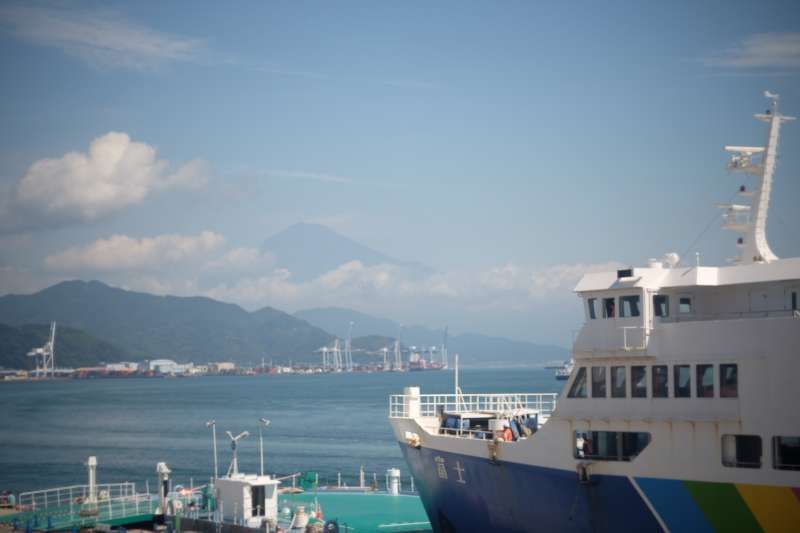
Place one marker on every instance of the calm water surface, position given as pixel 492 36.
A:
pixel 327 423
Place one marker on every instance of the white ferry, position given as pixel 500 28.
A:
pixel 681 413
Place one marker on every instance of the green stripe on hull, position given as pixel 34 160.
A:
pixel 722 506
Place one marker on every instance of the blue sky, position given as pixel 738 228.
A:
pixel 509 146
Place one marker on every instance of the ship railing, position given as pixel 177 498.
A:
pixel 481 434
pixel 80 495
pixel 632 340
pixel 432 405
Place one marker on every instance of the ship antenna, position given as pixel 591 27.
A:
pixel 750 221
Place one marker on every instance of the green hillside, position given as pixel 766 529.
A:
pixel 148 326
pixel 74 348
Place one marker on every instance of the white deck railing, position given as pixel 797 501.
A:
pixel 401 405
pixel 76 494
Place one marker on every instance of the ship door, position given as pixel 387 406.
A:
pixel 258 495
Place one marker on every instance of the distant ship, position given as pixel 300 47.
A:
pixel 417 361
pixel 564 371
pixel 680 415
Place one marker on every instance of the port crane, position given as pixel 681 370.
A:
pixel 46 355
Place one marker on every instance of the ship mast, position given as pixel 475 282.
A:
pixel 750 221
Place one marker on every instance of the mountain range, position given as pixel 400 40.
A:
pixel 145 326
pixel 473 348
pixel 98 322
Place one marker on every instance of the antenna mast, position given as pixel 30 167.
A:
pixel 750 221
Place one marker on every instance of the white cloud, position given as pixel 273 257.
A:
pixel 100 39
pixel 115 173
pixel 761 50
pixel 383 287
pixel 242 260
pixel 123 253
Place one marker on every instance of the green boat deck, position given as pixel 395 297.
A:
pixel 365 511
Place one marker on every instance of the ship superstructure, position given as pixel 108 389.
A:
pixel 680 413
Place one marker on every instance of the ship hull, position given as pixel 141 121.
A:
pixel 509 497
pixel 462 493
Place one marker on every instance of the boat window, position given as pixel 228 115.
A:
pixel 610 445
pixel 578 389
pixel 608 308
pixel 729 381
pixel 661 305
pixel 629 306
pixel 794 300
pixel 683 381
pixel 685 305
pixel 705 381
pixel 639 382
pixel 618 382
pixel 660 381
pixel 786 453
pixel 592 302
pixel 741 451
pixel 598 382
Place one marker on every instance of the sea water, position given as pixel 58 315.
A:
pixel 327 423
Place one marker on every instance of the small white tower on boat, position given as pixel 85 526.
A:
pixel 163 472
pixel 750 221
pixel 91 467
pixel 246 499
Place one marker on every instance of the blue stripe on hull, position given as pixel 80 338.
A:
pixel 463 493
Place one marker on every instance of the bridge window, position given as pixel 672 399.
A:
pixel 729 381
pixel 741 451
pixel 618 382
pixel 786 453
pixel 639 382
pixel 608 308
pixel 598 382
pixel 661 305
pixel 591 303
pixel 705 381
pixel 685 305
pixel 629 306
pixel 660 381
pixel 578 389
pixel 683 381
pixel 610 445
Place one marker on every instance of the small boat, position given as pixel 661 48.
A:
pixel 563 372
